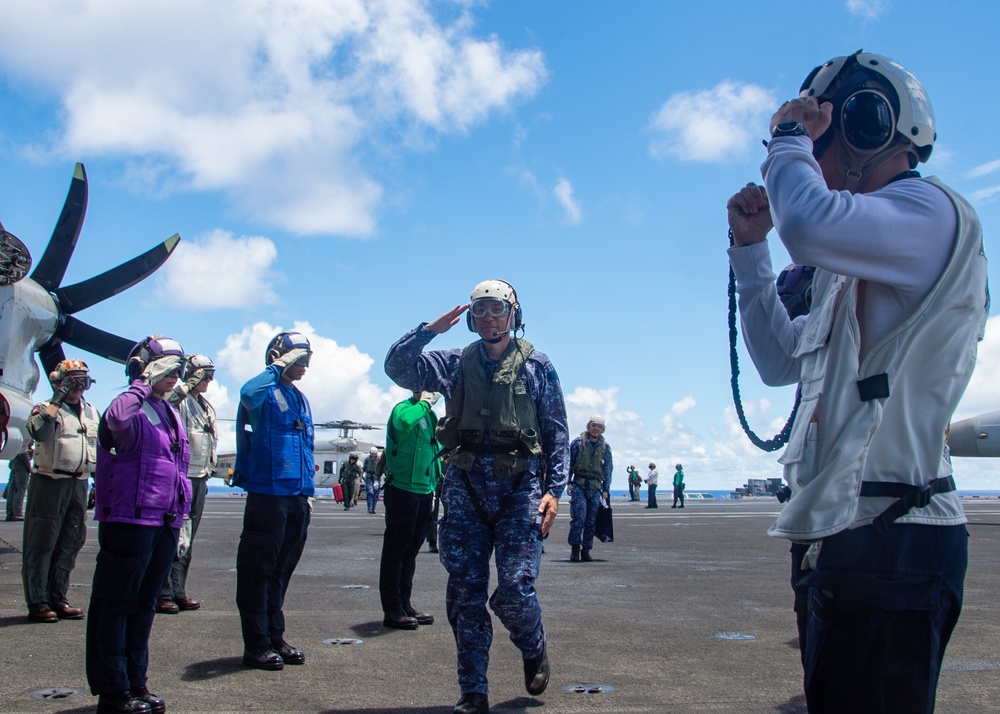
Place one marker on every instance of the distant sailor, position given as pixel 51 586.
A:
pixel 198 415
pixel 590 482
pixel 634 483
pixel 651 479
pixel 55 524
pixel 505 416
pixel 678 486
pixel 274 463
pixel 370 467
pixel 350 474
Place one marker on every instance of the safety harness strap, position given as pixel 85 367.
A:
pixel 480 508
pixel 908 497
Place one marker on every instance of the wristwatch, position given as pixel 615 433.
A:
pixel 789 128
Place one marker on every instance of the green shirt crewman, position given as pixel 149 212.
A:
pixel 413 470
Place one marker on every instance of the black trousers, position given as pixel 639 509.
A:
pixel 876 615
pixel 406 518
pixel 131 566
pixel 274 535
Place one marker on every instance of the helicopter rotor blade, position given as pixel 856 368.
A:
pixel 346 424
pixel 52 267
pixel 80 296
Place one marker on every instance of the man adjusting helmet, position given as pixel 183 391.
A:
pixel 898 304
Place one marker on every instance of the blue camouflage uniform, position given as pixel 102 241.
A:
pixel 465 540
pixel 584 500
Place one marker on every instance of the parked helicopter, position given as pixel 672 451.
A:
pixel 37 314
pixel 328 454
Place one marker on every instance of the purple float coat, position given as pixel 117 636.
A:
pixel 144 480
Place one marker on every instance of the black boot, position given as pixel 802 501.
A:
pixel 156 705
pixel 574 556
pixel 585 555
pixel 124 703
pixel 536 673
pixel 472 703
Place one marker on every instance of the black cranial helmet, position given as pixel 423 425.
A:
pixel 284 343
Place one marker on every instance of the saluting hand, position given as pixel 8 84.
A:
pixel 447 320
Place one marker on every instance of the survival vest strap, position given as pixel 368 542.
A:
pixel 480 508
pixel 498 409
pixel 588 467
pixel 908 495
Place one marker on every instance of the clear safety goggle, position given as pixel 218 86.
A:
pixel 83 381
pixel 493 308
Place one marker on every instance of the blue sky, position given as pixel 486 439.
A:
pixel 350 168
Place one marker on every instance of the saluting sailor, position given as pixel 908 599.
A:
pixel 505 419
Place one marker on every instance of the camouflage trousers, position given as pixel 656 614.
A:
pixel 467 542
pixel 583 505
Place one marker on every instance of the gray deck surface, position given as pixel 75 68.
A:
pixel 644 620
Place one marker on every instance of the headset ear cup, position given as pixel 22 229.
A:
pixel 868 120
pixel 517 317
pixel 272 354
pixel 468 320
pixel 134 368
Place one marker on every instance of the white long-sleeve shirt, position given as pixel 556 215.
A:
pixel 895 277
pixel 897 239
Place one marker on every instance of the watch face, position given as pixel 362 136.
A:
pixel 789 128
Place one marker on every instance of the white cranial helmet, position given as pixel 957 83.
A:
pixel 494 290
pixel 497 290
pixel 196 362
pixel 914 118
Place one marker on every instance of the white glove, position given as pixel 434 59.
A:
pixel 195 379
pixel 184 538
pixel 290 358
pixel 429 397
pixel 160 368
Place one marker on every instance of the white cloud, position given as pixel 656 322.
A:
pixel 984 169
pixel 984 195
pixel 219 270
pixel 683 405
pixel 571 207
pixel 338 382
pixel 711 125
pixel 983 392
pixel 868 9
pixel 272 104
